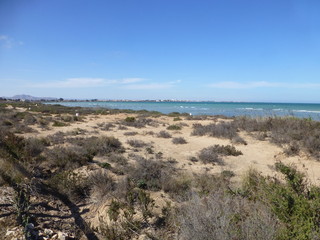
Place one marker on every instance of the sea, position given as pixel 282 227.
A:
pixel 230 109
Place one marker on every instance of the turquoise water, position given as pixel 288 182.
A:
pixel 302 110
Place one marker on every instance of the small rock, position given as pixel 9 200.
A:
pixel 48 232
pixel 62 236
pixel 10 232
pixel 30 226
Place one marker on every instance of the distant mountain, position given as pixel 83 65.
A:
pixel 30 98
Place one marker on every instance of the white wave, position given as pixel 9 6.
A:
pixel 305 111
pixel 251 109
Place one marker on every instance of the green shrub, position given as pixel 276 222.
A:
pixel 130 119
pixel 294 202
pixel 59 124
pixel 174 127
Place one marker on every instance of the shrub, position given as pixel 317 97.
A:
pixel 238 140
pixel 130 133
pixel 139 123
pixel 35 146
pixel 174 127
pixel 68 158
pixel 130 119
pixel 56 138
pixel 136 143
pixel 164 134
pixel 105 165
pixel 179 140
pixel 223 216
pixel 118 159
pixel 294 202
pixel 213 154
pixel 107 126
pixel 74 185
pixel 223 130
pixel 59 124
pixel 101 185
pixel 178 187
pixel 296 134
pixel 99 145
pixel 147 173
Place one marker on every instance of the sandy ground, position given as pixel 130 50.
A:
pixel 257 154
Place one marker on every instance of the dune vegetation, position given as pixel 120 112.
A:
pixel 77 173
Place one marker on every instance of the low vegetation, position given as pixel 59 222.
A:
pixel 55 180
pixel 213 154
pixel 179 140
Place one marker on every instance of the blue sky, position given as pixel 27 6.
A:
pixel 223 50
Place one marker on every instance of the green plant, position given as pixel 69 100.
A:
pixel 130 119
pixel 174 127
pixel 59 124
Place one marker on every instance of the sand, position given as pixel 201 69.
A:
pixel 257 154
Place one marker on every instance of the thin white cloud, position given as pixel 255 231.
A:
pixel 7 42
pixel 148 86
pixel 125 83
pixel 262 84
pixel 86 82
pixel 131 80
pixel 72 83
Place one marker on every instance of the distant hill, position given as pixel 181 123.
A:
pixel 30 98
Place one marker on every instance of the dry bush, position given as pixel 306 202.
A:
pixel 130 133
pixel 164 134
pixel 179 140
pixel 101 185
pixel 29 119
pixel 147 173
pixel 223 216
pixel 74 185
pixel 118 158
pixel 302 134
pixel 213 154
pixel 136 143
pixel 57 123
pixel 68 158
pixel 223 130
pixel 140 122
pixel 178 186
pixel 292 149
pixel 35 146
pixel 238 140
pixel 99 145
pixel 56 138
pixel 106 126
pixel 121 127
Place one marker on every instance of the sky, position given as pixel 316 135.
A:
pixel 217 50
